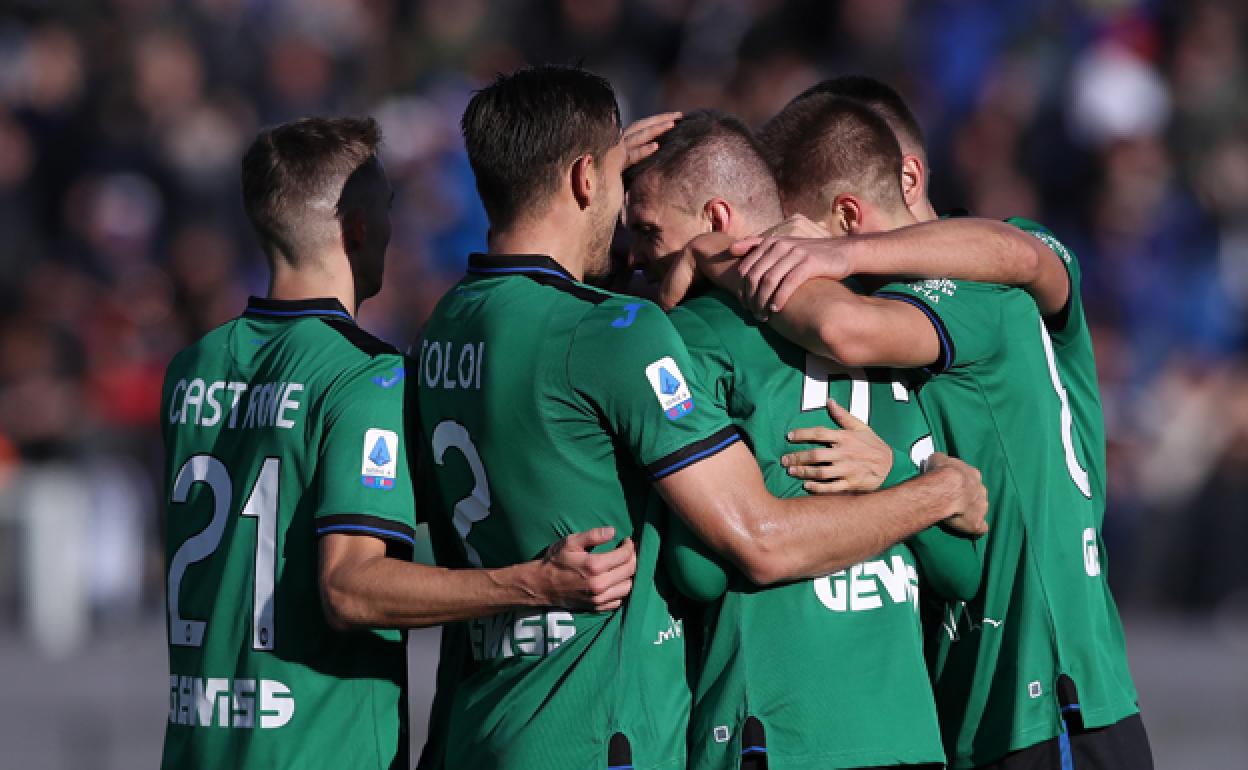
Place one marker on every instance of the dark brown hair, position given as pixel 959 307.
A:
pixel 523 129
pixel 831 146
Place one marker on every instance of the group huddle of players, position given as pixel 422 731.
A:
pixel 831 497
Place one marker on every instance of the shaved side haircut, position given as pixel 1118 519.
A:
pixel 833 146
pixel 293 176
pixel 709 154
pixel 880 97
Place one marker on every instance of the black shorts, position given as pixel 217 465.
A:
pixel 1120 746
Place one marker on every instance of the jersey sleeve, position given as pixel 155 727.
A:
pixel 713 365
pixel 364 482
pixel 965 315
pixel 628 363
pixel 1069 323
pixel 949 565
pixel 695 569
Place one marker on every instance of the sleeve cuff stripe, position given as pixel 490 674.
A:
pixel 362 522
pixel 699 450
pixel 366 530
pixel 946 344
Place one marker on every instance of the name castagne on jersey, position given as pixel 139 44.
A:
pixel 209 404
pixel 275 404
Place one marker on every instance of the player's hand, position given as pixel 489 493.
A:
pixel 639 138
pixel 705 257
pixel 853 459
pixel 680 278
pixel 773 267
pixel 575 578
pixel 970 498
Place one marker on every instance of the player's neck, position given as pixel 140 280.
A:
pixel 900 217
pixel 565 245
pixel 313 282
pixel 923 210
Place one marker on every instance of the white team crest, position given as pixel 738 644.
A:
pixel 381 454
pixel 670 388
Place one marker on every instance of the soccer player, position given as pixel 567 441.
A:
pixel 545 404
pixel 290 513
pixel 784 659
pixel 1035 667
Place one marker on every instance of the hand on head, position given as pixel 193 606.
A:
pixel 639 138
pixel 773 266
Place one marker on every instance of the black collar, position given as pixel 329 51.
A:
pixel 324 307
pixel 524 264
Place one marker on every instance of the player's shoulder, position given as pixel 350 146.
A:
pixel 1045 235
pixel 717 313
pixel 620 316
pixel 348 356
pixel 350 340
pixel 213 344
pixel 715 305
pixel 938 291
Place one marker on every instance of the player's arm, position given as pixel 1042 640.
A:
pixel 724 500
pixel 827 318
pixel 963 248
pixel 635 377
pixel 951 564
pixel 365 512
pixel 361 585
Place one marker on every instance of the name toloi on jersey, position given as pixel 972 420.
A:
pixel 670 388
pixel 381 453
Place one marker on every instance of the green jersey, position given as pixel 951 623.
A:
pixel 832 668
pixel 996 399
pixel 280 426
pixel 1076 365
pixel 548 407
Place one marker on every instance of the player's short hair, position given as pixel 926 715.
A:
pixel 711 154
pixel 837 145
pixel 880 97
pixel 293 169
pixel 522 131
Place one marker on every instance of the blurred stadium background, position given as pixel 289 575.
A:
pixel 1122 124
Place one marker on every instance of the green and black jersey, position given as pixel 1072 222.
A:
pixel 548 407
pixel 997 399
pixel 280 426
pixel 833 668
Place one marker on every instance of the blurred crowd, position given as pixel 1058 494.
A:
pixel 1118 123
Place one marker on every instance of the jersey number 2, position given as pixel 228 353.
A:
pixel 815 391
pixel 476 506
pixel 262 505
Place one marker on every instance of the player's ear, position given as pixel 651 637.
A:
pixel 583 177
pixel 847 214
pixel 913 176
pixel 718 213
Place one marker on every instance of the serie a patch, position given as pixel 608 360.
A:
pixel 380 462
pixel 670 388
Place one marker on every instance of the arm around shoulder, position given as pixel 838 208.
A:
pixel 827 318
